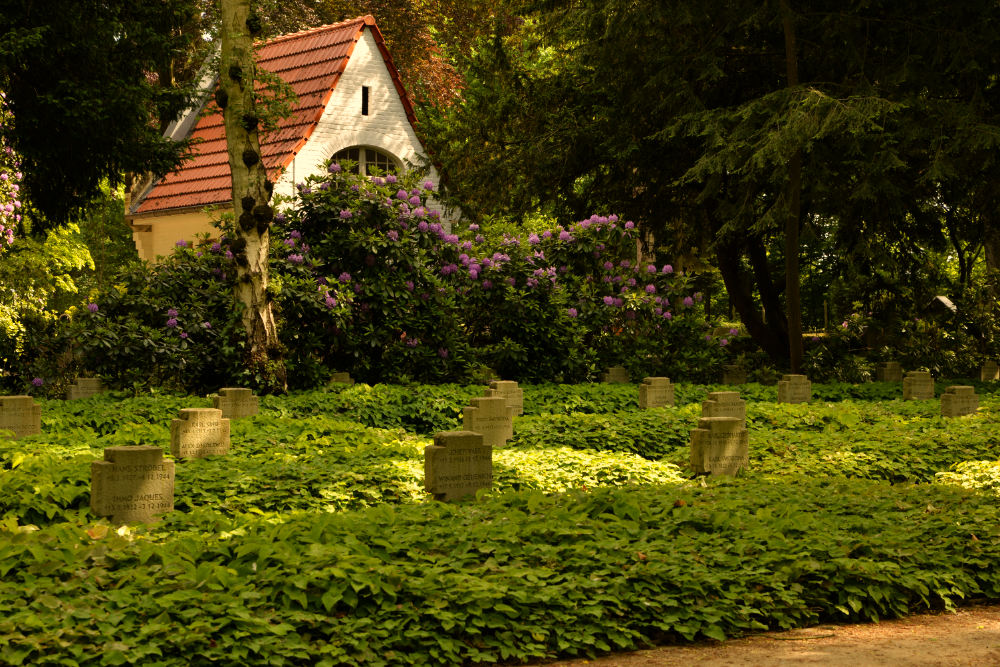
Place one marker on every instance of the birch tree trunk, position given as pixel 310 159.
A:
pixel 251 195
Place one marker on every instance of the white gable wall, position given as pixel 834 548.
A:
pixel 342 125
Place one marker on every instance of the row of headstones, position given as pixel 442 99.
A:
pixel 731 374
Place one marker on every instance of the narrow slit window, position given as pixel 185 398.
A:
pixel 364 100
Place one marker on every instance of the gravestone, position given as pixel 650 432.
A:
pixel 457 465
pixel 959 400
pixel 199 432
pixel 84 388
pixel 724 404
pixel 889 371
pixel 342 378
pixel 616 375
pixel 132 484
pixel 509 391
pixel 492 418
pixel 21 415
pixel 719 446
pixel 794 389
pixel 236 402
pixel 989 372
pixel 734 374
pixel 918 385
pixel 655 392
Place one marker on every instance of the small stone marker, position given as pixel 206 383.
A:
pixel 989 372
pixel 236 402
pixel 342 378
pixel 725 404
pixel 84 388
pixel 199 432
pixel 734 374
pixel 794 389
pixel 509 391
pixel 616 375
pixel 132 484
pixel 21 415
pixel 457 465
pixel 719 446
pixel 918 385
pixel 655 392
pixel 491 417
pixel 959 400
pixel 889 371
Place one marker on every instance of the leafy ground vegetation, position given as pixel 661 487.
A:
pixel 314 543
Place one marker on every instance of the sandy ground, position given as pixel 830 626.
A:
pixel 970 636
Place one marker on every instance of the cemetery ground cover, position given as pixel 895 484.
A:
pixel 314 543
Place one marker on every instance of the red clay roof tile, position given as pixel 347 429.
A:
pixel 311 62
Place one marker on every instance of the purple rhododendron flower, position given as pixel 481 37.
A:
pixel 667 269
pixel 330 302
pixel 479 238
pixel 487 284
pixel 428 185
pixel 668 315
pixel 650 289
pixel 279 218
pixel 608 266
pixel 533 239
pixel 531 282
pixel 402 194
pixel 512 281
pixel 657 311
pixel 344 277
pixel 38 382
pixel 629 225
pixel 423 226
pixel 92 307
pixel 393 234
pixel 289 242
pixel 184 334
pixel 171 312
pixel 172 322
pixel 565 236
pixel 474 274
pixel 334 168
pixel 206 325
pixel 609 301
pixel 688 301
pixel 229 254
pixel 408 285
pixel 651 268
pixel 216 247
pixel 473 227
pixel 723 342
pixel 346 214
pixel 571 312
pixel 181 244
pixel 443 352
pixel 414 200
pixel 391 178
pixel 296 258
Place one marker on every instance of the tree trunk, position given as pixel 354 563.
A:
pixel 251 195
pixel 738 288
pixel 793 300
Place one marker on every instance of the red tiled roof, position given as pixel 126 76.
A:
pixel 311 62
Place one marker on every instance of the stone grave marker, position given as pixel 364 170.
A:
pixel 342 377
pixel 794 389
pixel 21 415
pixel 719 446
pixel 918 385
pixel 132 484
pixel 734 374
pixel 959 400
pixel 491 417
pixel 655 392
pixel 84 388
pixel 457 465
pixel 236 402
pixel 509 391
pixel 989 372
pixel 725 404
pixel 616 375
pixel 199 432
pixel 889 371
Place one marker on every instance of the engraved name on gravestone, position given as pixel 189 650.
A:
pixel 719 446
pixel 84 388
pixel 199 432
pixel 492 418
pixel 889 371
pixel 655 392
pixel 342 378
pixel 236 402
pixel 989 372
pixel 959 400
pixel 21 415
pixel 794 389
pixel 724 404
pixel 616 375
pixel 457 465
pixel 509 391
pixel 132 484
pixel 734 374
pixel 918 385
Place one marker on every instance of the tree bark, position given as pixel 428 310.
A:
pixel 741 299
pixel 251 196
pixel 793 300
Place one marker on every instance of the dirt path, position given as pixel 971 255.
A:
pixel 971 636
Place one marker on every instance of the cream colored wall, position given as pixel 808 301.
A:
pixel 342 125
pixel 166 230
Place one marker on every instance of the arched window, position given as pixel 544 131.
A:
pixel 367 160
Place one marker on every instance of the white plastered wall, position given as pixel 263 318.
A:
pixel 342 125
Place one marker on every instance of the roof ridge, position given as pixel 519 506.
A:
pixel 321 28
